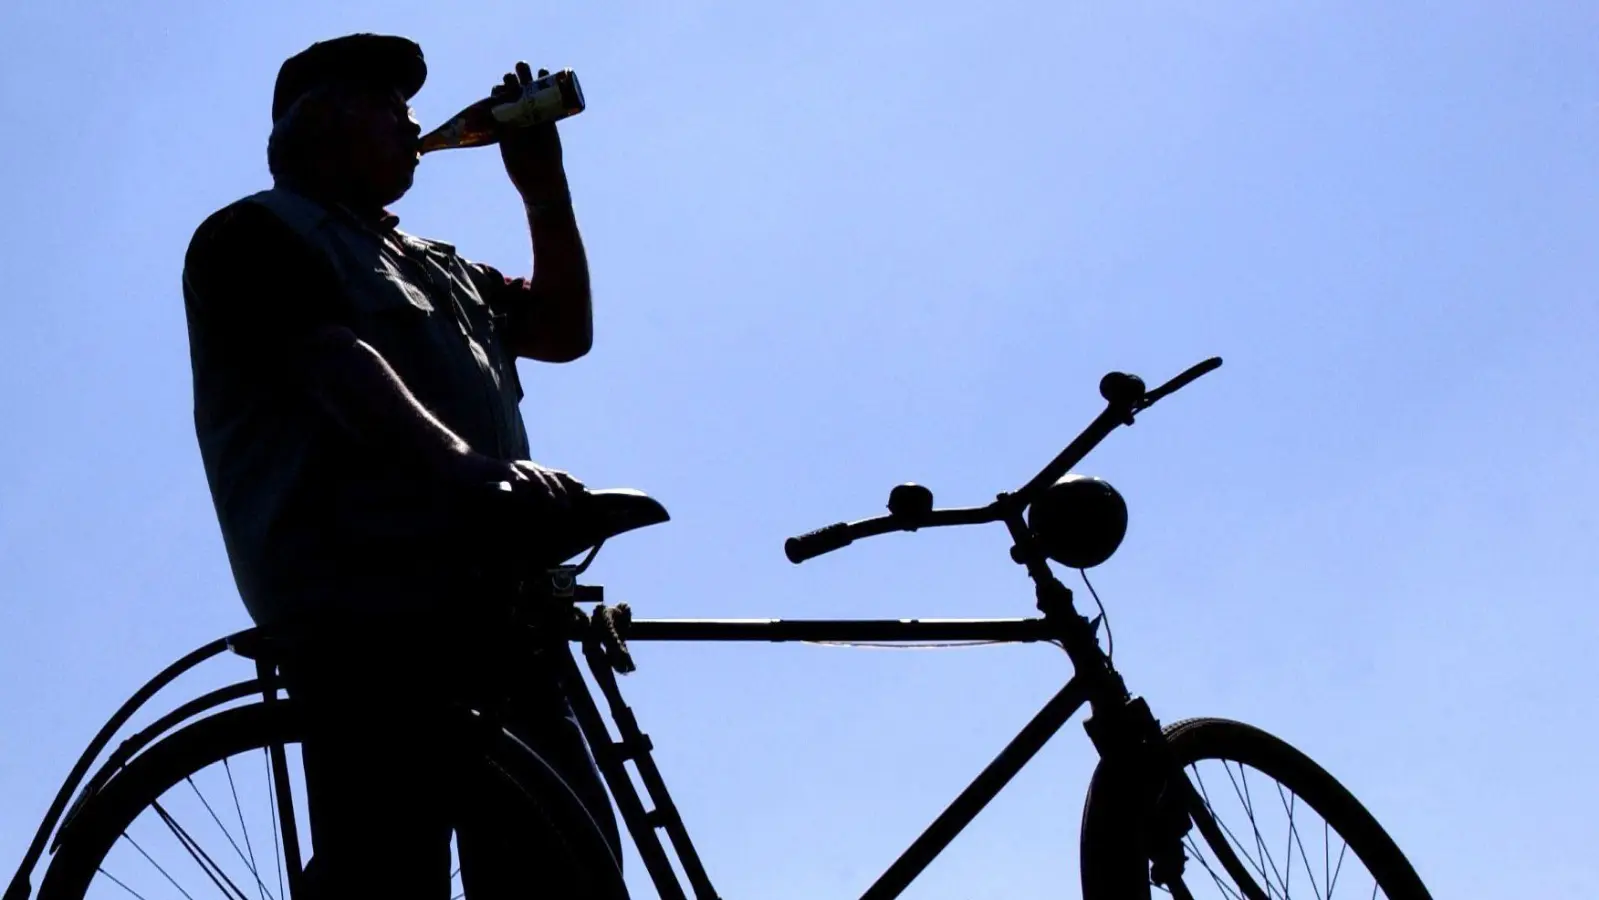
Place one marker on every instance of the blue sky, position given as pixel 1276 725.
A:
pixel 836 246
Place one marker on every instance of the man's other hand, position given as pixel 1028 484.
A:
pixel 556 486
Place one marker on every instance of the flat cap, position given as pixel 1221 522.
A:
pixel 377 59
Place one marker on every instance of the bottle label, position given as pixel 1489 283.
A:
pixel 541 101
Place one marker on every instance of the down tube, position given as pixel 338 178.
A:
pixel 977 795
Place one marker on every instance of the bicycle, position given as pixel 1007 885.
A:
pixel 1149 816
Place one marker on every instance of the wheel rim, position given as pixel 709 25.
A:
pixel 1284 845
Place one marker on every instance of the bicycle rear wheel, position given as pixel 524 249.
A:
pixel 1269 823
pixel 196 815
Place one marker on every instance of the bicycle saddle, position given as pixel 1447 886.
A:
pixel 607 513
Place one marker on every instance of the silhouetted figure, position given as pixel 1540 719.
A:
pixel 354 388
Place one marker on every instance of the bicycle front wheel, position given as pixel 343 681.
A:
pixel 196 815
pixel 1269 823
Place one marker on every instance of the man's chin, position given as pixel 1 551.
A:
pixel 399 187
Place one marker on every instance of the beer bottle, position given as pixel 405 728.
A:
pixel 548 98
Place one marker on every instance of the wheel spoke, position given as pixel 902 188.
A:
pixel 1254 824
pixel 1199 856
pixel 207 864
pixel 1332 867
pixel 119 883
pixel 1225 855
pixel 245 829
pixel 1260 842
pixel 1249 810
pixel 1242 794
pixel 164 873
pixel 225 832
pixel 1229 832
pixel 1338 868
pixel 1288 866
pixel 1290 803
pixel 272 803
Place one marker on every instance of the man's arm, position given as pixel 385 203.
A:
pixel 559 321
pixel 551 315
pixel 358 388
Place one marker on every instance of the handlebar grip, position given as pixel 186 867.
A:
pixel 815 543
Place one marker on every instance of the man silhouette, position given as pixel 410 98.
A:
pixel 354 386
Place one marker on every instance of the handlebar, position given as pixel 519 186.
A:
pixel 839 535
pixel 826 539
pixel 1185 378
pixel 1124 396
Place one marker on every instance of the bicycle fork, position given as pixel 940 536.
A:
pixel 1124 729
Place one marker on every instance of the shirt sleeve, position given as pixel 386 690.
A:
pixel 510 298
pixel 254 292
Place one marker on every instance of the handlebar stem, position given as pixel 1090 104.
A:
pixel 1056 601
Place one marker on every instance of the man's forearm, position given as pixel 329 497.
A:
pixel 358 388
pixel 562 324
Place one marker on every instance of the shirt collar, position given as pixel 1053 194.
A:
pixel 380 220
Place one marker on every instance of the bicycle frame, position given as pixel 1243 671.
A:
pixel 633 744
pixel 1121 727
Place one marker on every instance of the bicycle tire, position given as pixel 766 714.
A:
pixel 148 776
pixel 1114 862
